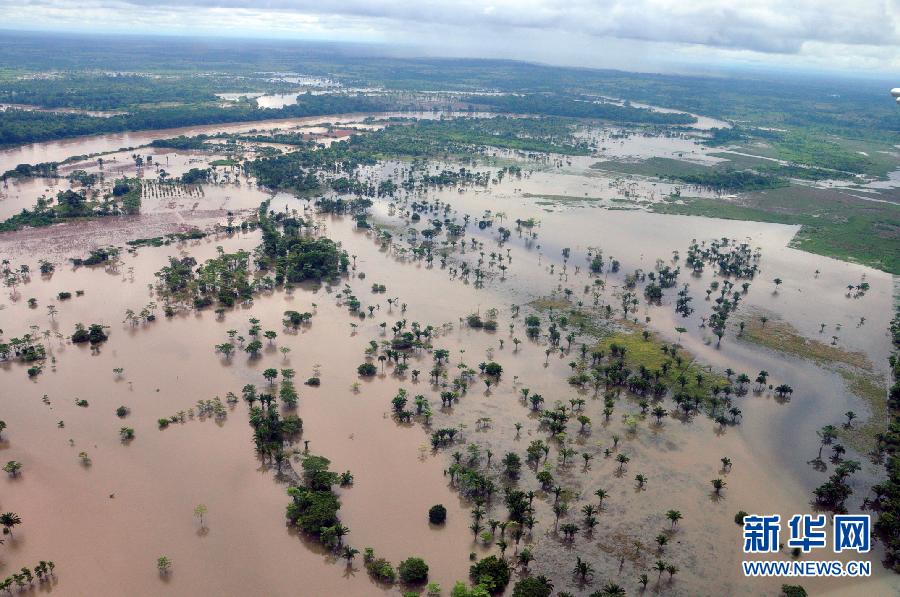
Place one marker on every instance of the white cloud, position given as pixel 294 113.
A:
pixel 848 34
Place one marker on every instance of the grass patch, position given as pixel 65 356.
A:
pixel 594 325
pixel 833 223
pixel 656 167
pixel 873 392
pixel 648 352
pixel 777 334
pixel 551 199
pixel 721 176
pixel 854 367
pixel 639 350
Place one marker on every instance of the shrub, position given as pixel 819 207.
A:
pixel 413 571
pixel 492 572
pixel 291 424
pixel 437 514
pixel 382 570
pixel 94 334
pixel 493 369
pixel 533 586
pixel 367 369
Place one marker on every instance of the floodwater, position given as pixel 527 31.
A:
pixel 30 108
pixel 111 519
pixel 264 100
pixel 57 151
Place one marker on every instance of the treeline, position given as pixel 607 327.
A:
pixel 117 91
pixel 26 126
pixel 181 142
pixel 44 169
pixel 558 105
pixel 887 501
pixel 731 180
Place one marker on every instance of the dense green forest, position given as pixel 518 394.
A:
pixel 731 180
pixel 556 105
pixel 115 91
pixel 24 126
pixel 194 69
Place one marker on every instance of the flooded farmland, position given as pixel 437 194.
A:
pixel 109 506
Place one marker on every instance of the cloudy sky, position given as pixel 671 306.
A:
pixel 850 35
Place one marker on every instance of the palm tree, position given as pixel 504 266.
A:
pixel 659 412
pixel 8 520
pixel 601 493
pixel 783 390
pixel 340 531
pixel 849 414
pixel 569 529
pixel 566 453
pixel 623 460
pixel 525 557
pixel 641 480
pixel 348 553
pixel 582 569
pixel 559 508
pixel 674 516
pixel 660 567
pixel 661 541
pixel 718 485
pixel 200 511
pixel 726 463
pixel 612 590
pixel 826 435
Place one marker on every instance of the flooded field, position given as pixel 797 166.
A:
pixel 106 507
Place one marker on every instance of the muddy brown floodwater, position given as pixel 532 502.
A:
pixel 105 523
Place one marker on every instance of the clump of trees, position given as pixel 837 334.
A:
pixel 100 256
pixel 314 505
pixel 294 255
pixel 93 334
pixel 492 573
